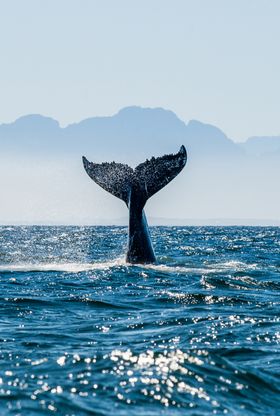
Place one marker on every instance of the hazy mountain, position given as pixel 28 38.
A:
pixel 260 146
pixel 42 178
pixel 132 131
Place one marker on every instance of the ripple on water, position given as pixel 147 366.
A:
pixel 84 333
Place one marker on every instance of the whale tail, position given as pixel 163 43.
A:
pixel 146 179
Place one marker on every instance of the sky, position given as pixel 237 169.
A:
pixel 216 61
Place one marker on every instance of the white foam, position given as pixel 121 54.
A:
pixel 170 269
pixel 207 269
pixel 237 265
pixel 72 267
pixel 60 267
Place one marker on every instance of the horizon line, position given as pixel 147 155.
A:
pixel 194 223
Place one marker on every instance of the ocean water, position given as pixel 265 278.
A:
pixel 83 333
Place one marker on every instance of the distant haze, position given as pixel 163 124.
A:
pixel 42 179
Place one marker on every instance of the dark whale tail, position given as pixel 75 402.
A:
pixel 135 187
pixel 148 177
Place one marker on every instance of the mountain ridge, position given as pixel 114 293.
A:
pixel 131 127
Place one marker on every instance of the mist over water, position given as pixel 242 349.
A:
pixel 41 166
pixel 84 333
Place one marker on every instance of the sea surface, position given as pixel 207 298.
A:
pixel 83 333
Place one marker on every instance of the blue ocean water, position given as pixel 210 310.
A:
pixel 84 333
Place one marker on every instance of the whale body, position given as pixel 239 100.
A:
pixel 135 187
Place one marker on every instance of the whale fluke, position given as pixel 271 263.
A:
pixel 149 177
pixel 155 173
pixel 114 177
pixel 135 187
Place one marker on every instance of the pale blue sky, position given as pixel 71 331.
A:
pixel 213 60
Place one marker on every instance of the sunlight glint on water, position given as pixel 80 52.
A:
pixel 82 332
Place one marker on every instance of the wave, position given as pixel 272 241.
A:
pixel 75 267
pixel 207 269
pixel 42 301
pixel 59 267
